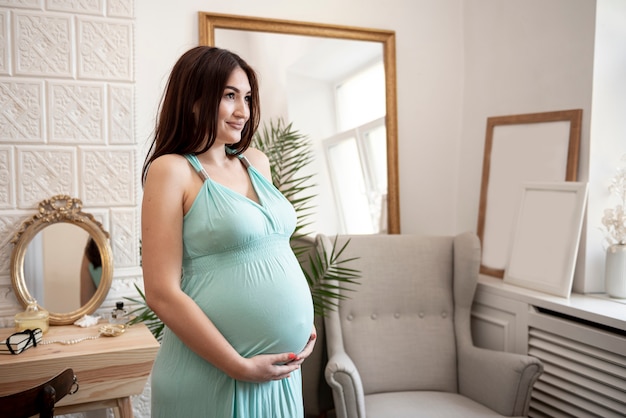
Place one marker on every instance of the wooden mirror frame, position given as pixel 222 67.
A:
pixel 568 155
pixel 208 22
pixel 58 209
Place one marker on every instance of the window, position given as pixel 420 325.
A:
pixel 357 157
pixel 358 169
pixel 360 98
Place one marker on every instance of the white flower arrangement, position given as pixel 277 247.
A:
pixel 614 220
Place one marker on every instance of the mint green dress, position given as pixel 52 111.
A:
pixel 239 268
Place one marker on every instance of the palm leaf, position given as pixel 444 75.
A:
pixel 329 278
pixel 144 314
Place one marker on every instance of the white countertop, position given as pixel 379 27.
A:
pixel 595 307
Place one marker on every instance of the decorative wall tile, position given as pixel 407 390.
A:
pixel 121 114
pixel 105 49
pixel 44 172
pixel 9 306
pixel 7 172
pixel 120 8
pixel 9 224
pixel 124 237
pixel 5 63
pixel 21 110
pixel 100 215
pixel 109 176
pixel 24 4
pixel 76 112
pixel 43 44
pixel 143 402
pixel 91 7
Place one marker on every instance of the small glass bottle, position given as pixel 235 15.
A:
pixel 33 317
pixel 119 314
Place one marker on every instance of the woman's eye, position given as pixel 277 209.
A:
pixel 230 95
pixel 248 99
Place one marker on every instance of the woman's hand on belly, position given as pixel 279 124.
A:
pixel 266 367
pixel 307 350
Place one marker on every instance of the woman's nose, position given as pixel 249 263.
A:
pixel 242 109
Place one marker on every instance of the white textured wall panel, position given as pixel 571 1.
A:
pixel 7 170
pixel 92 7
pixel 121 107
pixel 106 51
pixel 43 172
pixel 108 176
pixel 67 126
pixel 43 44
pixel 76 112
pixel 21 110
pixel 5 63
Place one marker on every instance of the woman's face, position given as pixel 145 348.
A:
pixel 234 110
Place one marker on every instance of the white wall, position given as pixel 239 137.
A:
pixel 608 130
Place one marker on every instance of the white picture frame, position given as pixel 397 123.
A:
pixel 539 147
pixel 546 236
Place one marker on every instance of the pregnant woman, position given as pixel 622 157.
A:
pixel 218 268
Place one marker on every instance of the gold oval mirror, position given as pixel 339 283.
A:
pixel 62 258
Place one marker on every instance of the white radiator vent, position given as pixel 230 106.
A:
pixel 584 368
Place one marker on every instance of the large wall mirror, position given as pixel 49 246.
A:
pixel 62 259
pixel 336 85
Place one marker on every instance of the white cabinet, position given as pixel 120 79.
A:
pixel 580 340
pixel 499 323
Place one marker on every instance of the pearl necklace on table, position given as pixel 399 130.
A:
pixel 109 330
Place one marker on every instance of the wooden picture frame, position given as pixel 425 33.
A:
pixel 521 148
pixel 546 237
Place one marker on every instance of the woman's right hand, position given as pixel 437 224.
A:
pixel 266 367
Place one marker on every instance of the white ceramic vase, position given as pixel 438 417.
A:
pixel 615 271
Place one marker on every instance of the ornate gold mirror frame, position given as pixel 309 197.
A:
pixel 61 209
pixel 208 22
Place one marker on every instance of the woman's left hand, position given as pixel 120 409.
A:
pixel 307 350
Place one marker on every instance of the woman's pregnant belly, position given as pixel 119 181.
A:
pixel 262 305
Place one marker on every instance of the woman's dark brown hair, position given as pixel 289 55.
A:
pixel 197 82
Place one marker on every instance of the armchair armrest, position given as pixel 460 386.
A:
pixel 499 380
pixel 343 377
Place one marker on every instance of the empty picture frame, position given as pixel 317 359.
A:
pixel 521 148
pixel 546 237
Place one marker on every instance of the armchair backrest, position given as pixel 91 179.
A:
pixel 398 325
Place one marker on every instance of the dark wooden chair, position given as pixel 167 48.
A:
pixel 39 399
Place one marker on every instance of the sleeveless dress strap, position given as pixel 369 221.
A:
pixel 244 161
pixel 241 157
pixel 195 163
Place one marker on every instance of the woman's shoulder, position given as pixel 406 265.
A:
pixel 256 157
pixel 258 160
pixel 170 160
pixel 175 164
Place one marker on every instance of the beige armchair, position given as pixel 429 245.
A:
pixel 400 345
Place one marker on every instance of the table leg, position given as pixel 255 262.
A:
pixel 125 407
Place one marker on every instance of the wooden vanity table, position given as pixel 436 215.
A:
pixel 109 369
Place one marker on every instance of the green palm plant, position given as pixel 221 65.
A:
pixel 289 152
